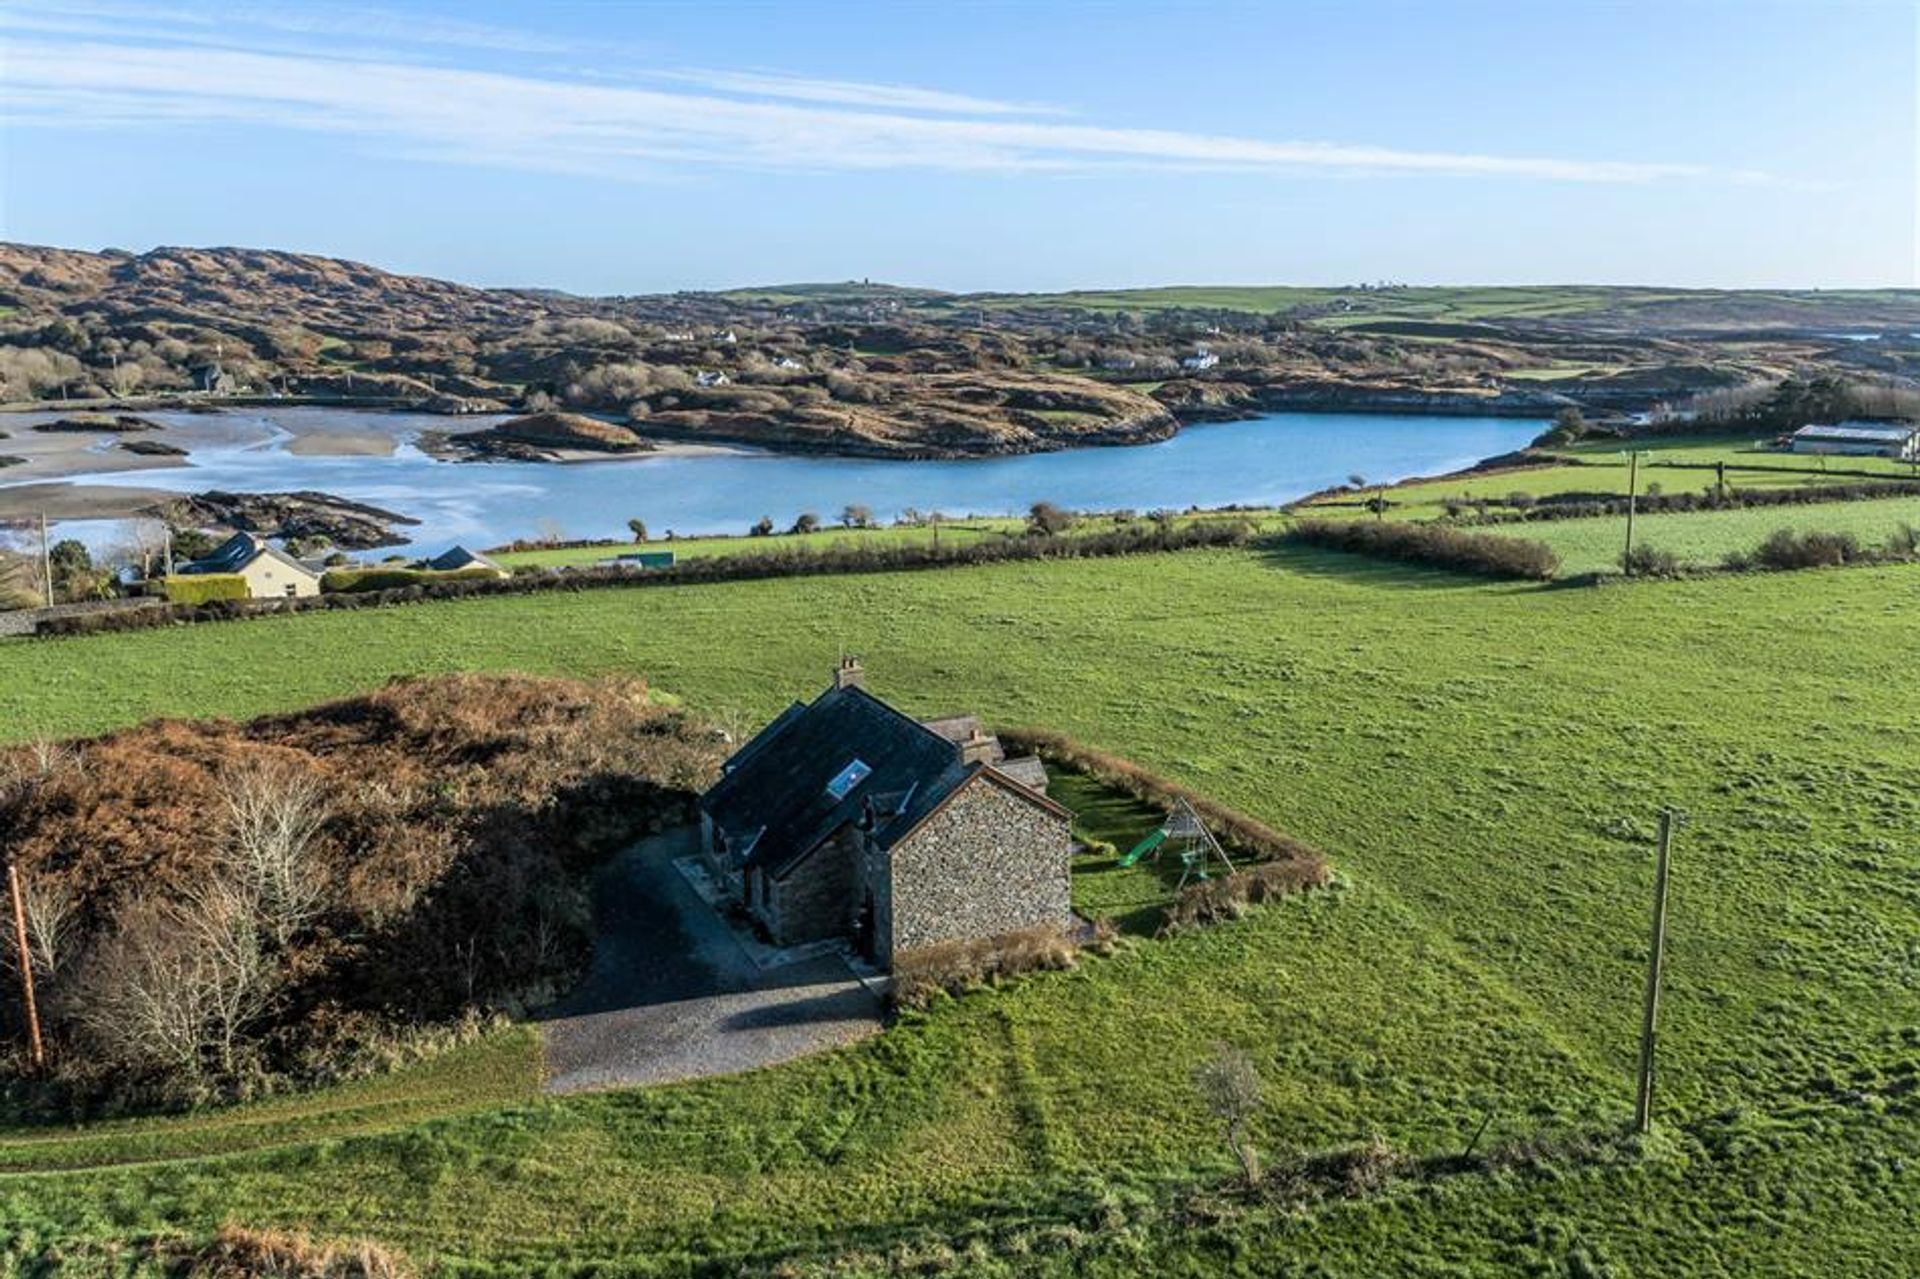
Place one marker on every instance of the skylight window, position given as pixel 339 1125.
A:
pixel 849 777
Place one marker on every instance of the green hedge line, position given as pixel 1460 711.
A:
pixel 1435 545
pixel 350 580
pixel 1139 539
pixel 204 588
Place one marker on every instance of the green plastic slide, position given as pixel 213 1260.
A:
pixel 1144 847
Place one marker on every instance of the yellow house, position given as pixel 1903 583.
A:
pixel 269 572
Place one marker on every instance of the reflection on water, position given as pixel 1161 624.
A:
pixel 1261 461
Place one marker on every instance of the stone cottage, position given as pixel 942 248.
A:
pixel 847 818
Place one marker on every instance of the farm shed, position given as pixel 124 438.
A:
pixel 1860 439
pixel 847 818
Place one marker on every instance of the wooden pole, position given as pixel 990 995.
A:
pixel 46 560
pixel 1633 488
pixel 36 1048
pixel 1656 959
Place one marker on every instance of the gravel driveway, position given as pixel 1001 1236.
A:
pixel 672 995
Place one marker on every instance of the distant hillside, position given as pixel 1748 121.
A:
pixel 1591 307
pixel 859 367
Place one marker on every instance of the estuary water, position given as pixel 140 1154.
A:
pixel 372 457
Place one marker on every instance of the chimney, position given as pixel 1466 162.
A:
pixel 981 748
pixel 849 674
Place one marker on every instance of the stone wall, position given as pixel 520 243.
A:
pixel 986 864
pixel 819 897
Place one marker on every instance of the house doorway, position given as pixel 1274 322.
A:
pixel 863 928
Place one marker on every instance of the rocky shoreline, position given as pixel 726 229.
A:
pixel 306 514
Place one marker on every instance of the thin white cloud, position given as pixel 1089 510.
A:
pixel 896 97
pixel 525 122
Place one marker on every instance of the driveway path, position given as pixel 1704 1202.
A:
pixel 672 995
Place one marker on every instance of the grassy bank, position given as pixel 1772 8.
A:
pixel 1482 762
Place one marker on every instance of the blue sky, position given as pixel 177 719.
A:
pixel 628 147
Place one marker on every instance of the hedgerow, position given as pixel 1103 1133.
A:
pixel 352 580
pixel 1237 832
pixel 1579 506
pixel 1134 539
pixel 1435 545
pixel 204 588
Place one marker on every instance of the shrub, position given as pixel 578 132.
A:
pixel 347 581
pixel 958 966
pixel 1785 549
pixel 204 588
pixel 1434 545
pixel 1047 519
pixel 1649 561
pixel 1215 901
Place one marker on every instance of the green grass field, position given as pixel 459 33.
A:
pixel 1705 538
pixel 1482 761
pixel 825 539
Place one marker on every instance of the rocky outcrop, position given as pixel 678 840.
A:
pixel 541 437
pixel 94 423
pixel 303 515
pixel 951 415
pixel 151 448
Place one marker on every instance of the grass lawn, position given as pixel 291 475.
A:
pixel 831 538
pixel 1707 537
pixel 1482 761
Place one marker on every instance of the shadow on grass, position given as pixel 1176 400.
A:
pixel 1313 561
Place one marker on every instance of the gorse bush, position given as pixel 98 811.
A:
pixel 1435 545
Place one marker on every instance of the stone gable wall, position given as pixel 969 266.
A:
pixel 986 864
pixel 818 898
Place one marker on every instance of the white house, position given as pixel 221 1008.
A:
pixel 269 572
pixel 1201 360
pixel 709 377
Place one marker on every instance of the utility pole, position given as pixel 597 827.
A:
pixel 37 1049
pixel 1633 490
pixel 1656 958
pixel 46 560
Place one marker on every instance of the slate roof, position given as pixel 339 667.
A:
pixel 239 551
pixel 777 783
pixel 459 557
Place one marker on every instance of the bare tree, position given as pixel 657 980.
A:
pixel 50 907
pixel 221 921
pixel 177 983
pixel 271 816
pixel 1230 1085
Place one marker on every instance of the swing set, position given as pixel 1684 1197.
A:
pixel 1188 837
